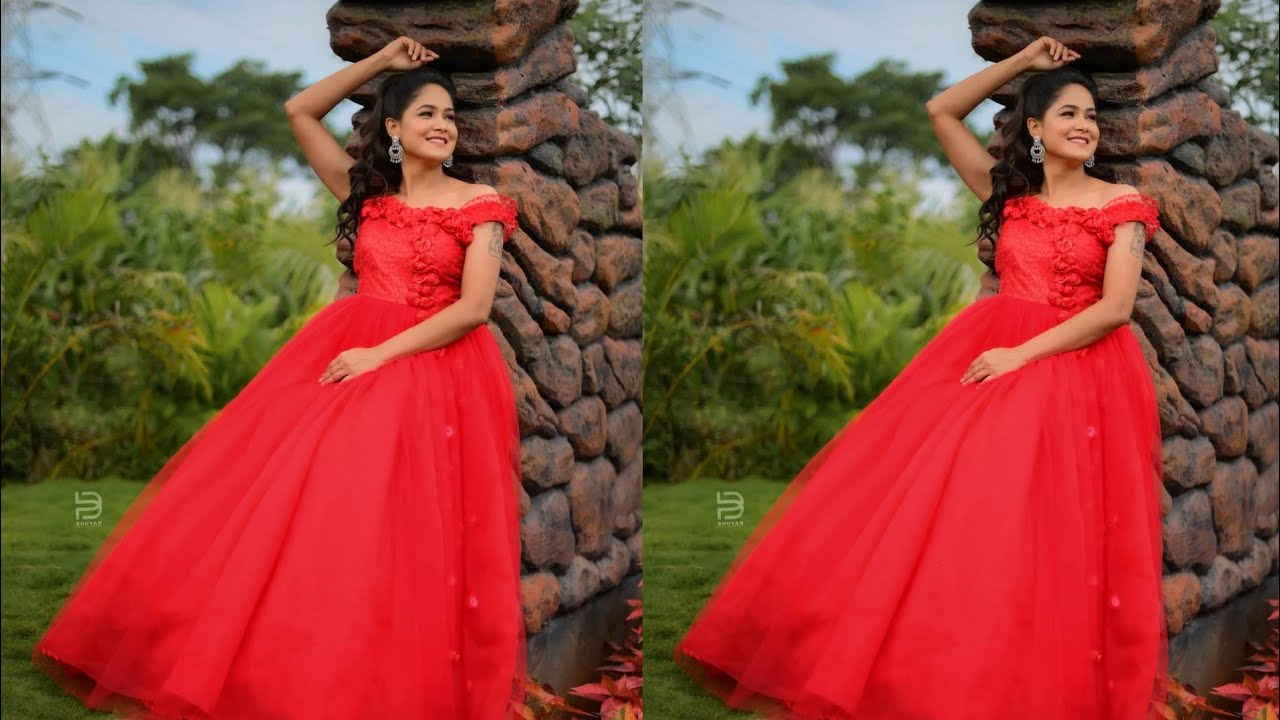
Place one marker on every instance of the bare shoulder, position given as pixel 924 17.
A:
pixel 1116 190
pixel 479 190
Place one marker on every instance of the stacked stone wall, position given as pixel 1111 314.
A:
pixel 568 308
pixel 1206 311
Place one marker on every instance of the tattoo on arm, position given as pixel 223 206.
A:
pixel 495 241
pixel 1138 245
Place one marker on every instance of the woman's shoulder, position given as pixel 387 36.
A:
pixel 1127 204
pixel 1114 192
pixel 480 195
pixel 1105 195
pixel 1126 200
pixel 477 190
pixel 487 205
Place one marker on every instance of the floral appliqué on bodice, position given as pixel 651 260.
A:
pixel 1057 255
pixel 414 255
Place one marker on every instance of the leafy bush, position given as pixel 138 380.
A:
pixel 1258 691
pixel 618 694
pixel 132 312
pixel 776 310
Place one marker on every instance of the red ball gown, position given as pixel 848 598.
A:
pixel 983 551
pixel 341 551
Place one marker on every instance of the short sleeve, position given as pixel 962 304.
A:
pixel 1133 207
pixel 491 207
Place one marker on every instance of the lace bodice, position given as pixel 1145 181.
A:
pixel 1056 255
pixel 414 255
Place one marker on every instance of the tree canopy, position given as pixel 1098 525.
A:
pixel 235 114
pixel 607 41
pixel 1249 51
pixel 879 112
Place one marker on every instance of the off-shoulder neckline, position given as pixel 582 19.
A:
pixel 1082 208
pixel 440 208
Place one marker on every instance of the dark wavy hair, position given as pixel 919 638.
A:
pixel 374 174
pixel 1014 174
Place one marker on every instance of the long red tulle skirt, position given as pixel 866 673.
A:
pixel 341 552
pixel 987 551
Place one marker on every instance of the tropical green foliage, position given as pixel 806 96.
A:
pixel 607 41
pixel 879 113
pixel 773 312
pixel 174 114
pixel 1249 53
pixel 130 316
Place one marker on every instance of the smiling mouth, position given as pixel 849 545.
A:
pixel 1078 141
pixel 438 140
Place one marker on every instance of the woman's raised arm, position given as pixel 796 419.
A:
pixel 307 109
pixel 949 108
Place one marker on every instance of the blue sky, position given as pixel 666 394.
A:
pixel 113 35
pixel 754 36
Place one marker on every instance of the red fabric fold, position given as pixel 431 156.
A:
pixel 988 551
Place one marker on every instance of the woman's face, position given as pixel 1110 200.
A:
pixel 1069 128
pixel 427 130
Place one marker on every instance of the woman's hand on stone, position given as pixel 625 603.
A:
pixel 1049 54
pixel 405 53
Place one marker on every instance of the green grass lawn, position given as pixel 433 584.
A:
pixel 44 553
pixel 686 552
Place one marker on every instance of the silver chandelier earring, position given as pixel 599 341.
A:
pixel 1090 162
pixel 1037 150
pixel 396 151
pixel 448 162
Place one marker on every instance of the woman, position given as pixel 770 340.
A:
pixel 341 540
pixel 983 540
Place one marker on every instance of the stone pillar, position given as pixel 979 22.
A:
pixel 1206 310
pixel 568 308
